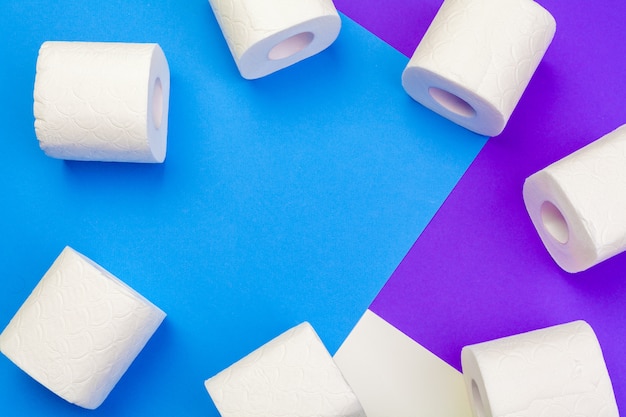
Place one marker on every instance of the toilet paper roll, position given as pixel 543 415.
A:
pixel 578 204
pixel 79 330
pixel 291 375
pixel 266 36
pixel 102 101
pixel 476 59
pixel 557 371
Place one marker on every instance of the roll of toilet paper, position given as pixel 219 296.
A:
pixel 79 330
pixel 476 59
pixel 557 371
pixel 291 375
pixel 102 101
pixel 266 36
pixel 578 204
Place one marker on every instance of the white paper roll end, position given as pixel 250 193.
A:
pixel 475 386
pixel 158 105
pixel 265 37
pixel 559 227
pixel 578 206
pixel 476 59
pixel 102 101
pixel 289 46
pixel 453 101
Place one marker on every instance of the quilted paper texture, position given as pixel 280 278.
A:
pixel 292 375
pixel 79 330
pixel 246 22
pixel 491 47
pixel 557 371
pixel 100 101
pixel 476 59
pixel 593 180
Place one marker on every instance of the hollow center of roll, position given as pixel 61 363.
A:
pixel 290 46
pixel 157 103
pixel 478 401
pixel 451 102
pixel 554 222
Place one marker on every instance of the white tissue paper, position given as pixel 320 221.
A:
pixel 394 376
pixel 79 330
pixel 556 371
pixel 578 204
pixel 98 101
pixel 476 59
pixel 292 375
pixel 266 36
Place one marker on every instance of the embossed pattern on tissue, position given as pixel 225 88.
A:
pixel 292 375
pixel 575 381
pixel 79 330
pixel 245 22
pixel 594 179
pixel 496 63
pixel 93 110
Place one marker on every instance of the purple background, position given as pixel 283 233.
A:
pixel 479 270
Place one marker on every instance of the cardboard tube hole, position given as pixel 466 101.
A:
pixel 554 222
pixel 157 103
pixel 451 102
pixel 290 46
pixel 479 407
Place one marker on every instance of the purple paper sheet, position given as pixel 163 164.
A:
pixel 479 270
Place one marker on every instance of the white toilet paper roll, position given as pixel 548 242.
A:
pixel 102 101
pixel 578 204
pixel 291 375
pixel 79 330
pixel 557 371
pixel 266 36
pixel 476 59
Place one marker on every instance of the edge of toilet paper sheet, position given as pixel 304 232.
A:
pixel 43 351
pixel 393 375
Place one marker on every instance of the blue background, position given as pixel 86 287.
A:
pixel 284 199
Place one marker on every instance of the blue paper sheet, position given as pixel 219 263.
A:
pixel 284 199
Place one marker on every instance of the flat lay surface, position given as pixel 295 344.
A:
pixel 299 196
pixel 286 199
